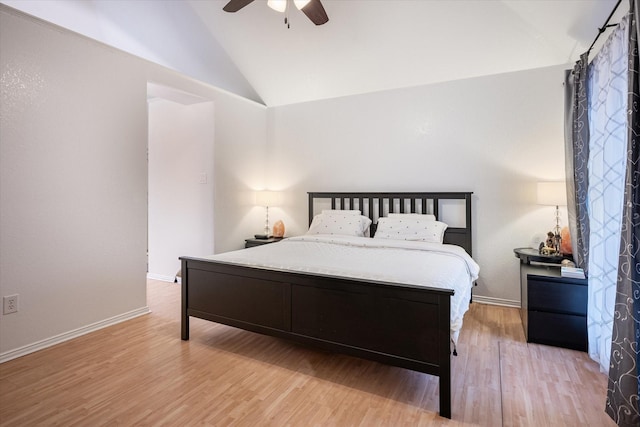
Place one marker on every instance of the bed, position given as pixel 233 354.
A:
pixel 394 320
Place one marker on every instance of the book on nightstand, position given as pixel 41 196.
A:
pixel 573 272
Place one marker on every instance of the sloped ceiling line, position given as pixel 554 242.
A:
pixel 367 46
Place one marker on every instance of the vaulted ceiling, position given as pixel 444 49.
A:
pixel 367 45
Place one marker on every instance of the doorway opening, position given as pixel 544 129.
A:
pixel 180 179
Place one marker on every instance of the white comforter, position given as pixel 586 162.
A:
pixel 398 261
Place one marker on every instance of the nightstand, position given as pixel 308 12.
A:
pixel 528 255
pixel 249 243
pixel 554 308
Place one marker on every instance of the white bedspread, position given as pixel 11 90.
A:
pixel 397 261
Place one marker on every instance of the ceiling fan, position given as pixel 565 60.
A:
pixel 312 8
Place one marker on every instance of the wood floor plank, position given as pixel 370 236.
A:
pixel 551 386
pixel 140 373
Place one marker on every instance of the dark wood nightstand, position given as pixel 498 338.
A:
pixel 554 308
pixel 249 243
pixel 529 255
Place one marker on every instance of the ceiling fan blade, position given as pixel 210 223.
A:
pixel 236 5
pixel 315 12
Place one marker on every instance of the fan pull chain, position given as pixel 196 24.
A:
pixel 287 21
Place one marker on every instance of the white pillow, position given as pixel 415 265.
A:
pixel 341 212
pixel 425 217
pixel 345 224
pixel 410 229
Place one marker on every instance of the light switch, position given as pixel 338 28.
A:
pixel 203 178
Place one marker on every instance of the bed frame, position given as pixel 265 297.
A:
pixel 400 325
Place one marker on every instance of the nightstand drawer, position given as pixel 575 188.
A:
pixel 546 295
pixel 563 330
pixel 553 308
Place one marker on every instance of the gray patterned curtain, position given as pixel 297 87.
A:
pixel 624 381
pixel 576 158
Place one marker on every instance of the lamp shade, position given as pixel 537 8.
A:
pixel 552 193
pixel 301 3
pixel 281 5
pixel 278 5
pixel 268 198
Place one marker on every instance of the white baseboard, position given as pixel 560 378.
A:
pixel 161 277
pixel 496 301
pixel 48 342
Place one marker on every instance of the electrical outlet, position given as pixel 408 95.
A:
pixel 10 304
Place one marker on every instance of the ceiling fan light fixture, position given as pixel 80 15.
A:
pixel 278 5
pixel 313 9
pixel 301 3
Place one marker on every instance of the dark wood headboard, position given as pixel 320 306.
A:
pixel 377 205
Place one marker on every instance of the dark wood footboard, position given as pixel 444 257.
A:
pixel 401 325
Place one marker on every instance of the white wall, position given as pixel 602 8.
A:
pixel 241 167
pixel 73 178
pixel 496 136
pixel 181 140
pixel 73 182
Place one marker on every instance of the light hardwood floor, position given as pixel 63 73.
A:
pixel 140 373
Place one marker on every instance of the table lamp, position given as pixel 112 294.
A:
pixel 266 199
pixel 553 194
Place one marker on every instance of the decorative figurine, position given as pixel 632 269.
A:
pixel 550 243
pixel 551 246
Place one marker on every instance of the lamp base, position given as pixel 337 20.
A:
pixel 262 236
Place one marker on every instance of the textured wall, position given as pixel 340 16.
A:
pixel 73 179
pixel 73 184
